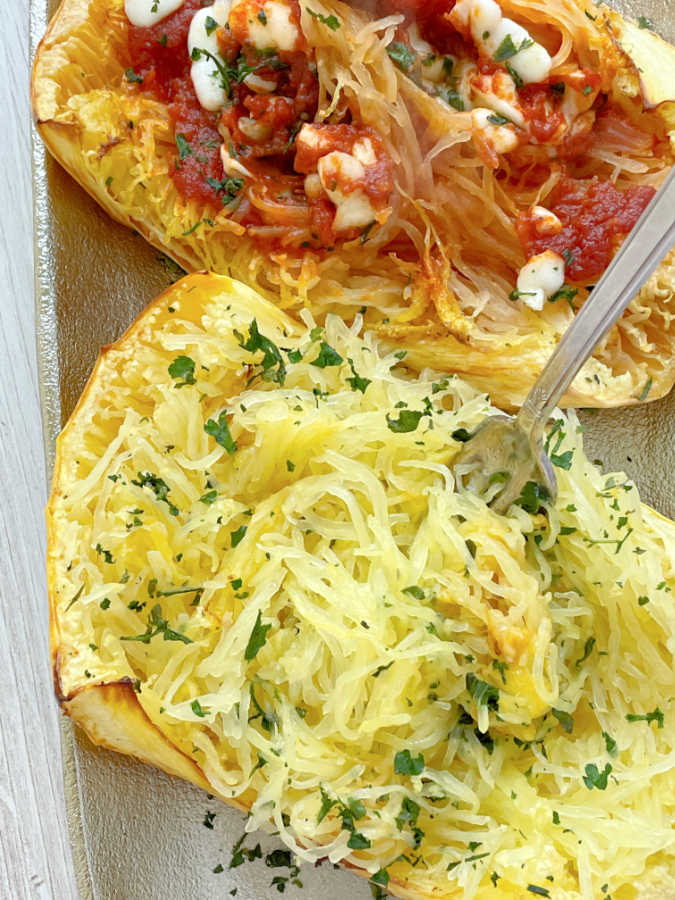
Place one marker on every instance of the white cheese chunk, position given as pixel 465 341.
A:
pixel 353 209
pixel 498 92
pixel 314 137
pixel 275 30
pixel 144 13
pixel 260 85
pixel 489 29
pixel 363 151
pixel 545 221
pixel 313 186
pixel 502 138
pixel 540 278
pixel 231 164
pixel 204 72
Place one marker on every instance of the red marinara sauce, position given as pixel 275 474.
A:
pixel 160 56
pixel 595 216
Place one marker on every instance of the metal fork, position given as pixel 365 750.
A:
pixel 511 450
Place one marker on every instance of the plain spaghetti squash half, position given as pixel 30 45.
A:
pixel 463 171
pixel 264 578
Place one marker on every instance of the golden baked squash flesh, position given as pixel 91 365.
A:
pixel 463 172
pixel 266 577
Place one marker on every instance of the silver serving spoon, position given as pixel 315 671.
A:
pixel 511 450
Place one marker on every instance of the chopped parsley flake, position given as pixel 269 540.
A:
pixel 507 48
pixel 565 720
pixel 221 433
pixel 197 709
pixel 331 21
pixel 228 188
pixel 132 77
pixel 184 148
pixel 408 420
pixel 408 816
pixel 655 716
pixel 401 55
pixel 158 486
pixel 501 667
pixel 107 555
pixel 532 496
pixel 644 393
pixel 405 764
pixel 596 779
pixel 258 638
pixel 272 365
pixel 236 537
pixel 588 649
pixel 483 693
pixel 182 370
pixel 327 357
pixel 357 383
pixel 380 877
pixel 157 624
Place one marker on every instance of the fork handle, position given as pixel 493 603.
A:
pixel 642 250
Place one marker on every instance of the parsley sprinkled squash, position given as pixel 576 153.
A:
pixel 443 698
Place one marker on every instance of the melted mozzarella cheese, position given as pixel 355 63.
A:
pixel 464 72
pixel 314 137
pixel 144 13
pixel 502 138
pixel 498 92
pixel 545 221
pixel 313 186
pixel 488 28
pixel 575 102
pixel 255 131
pixel 363 151
pixel 259 85
pixel 271 26
pixel 353 209
pixel 231 164
pixel 540 278
pixel 204 72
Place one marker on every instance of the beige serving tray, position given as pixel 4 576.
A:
pixel 136 833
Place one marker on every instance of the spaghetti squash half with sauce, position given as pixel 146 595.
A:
pixel 264 578
pixel 464 171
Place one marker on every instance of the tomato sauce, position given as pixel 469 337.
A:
pixel 544 119
pixel 595 216
pixel 159 54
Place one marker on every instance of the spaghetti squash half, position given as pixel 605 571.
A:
pixel 464 171
pixel 264 578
